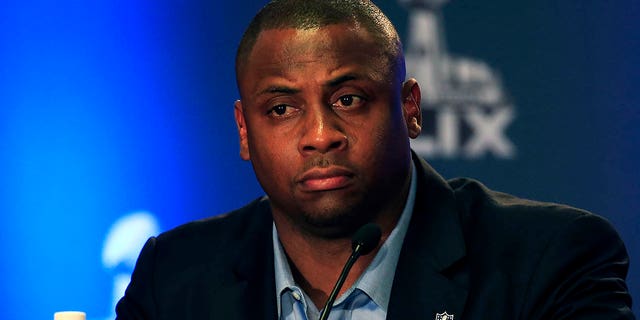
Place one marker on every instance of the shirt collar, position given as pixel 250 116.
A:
pixel 377 279
pixel 284 278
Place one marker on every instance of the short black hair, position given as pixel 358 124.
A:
pixel 308 14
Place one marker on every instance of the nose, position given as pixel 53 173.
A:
pixel 321 132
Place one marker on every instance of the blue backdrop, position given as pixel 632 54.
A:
pixel 116 123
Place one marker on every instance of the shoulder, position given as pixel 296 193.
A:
pixel 503 226
pixel 229 225
pixel 178 269
pixel 214 239
pixel 547 253
pixel 481 206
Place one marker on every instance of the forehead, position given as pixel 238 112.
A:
pixel 283 52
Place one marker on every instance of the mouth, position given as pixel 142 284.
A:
pixel 325 179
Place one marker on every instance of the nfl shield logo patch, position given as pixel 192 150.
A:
pixel 444 316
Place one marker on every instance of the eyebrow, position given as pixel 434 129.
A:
pixel 331 83
pixel 341 79
pixel 279 89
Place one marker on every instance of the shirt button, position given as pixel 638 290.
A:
pixel 296 295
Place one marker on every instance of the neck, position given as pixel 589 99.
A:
pixel 316 261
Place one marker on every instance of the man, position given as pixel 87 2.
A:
pixel 325 118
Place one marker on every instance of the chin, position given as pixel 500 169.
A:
pixel 331 222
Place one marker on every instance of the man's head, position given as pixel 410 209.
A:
pixel 305 15
pixel 324 115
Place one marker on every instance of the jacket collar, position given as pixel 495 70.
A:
pixel 430 277
pixel 254 287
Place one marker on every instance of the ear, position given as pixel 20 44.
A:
pixel 238 112
pixel 411 107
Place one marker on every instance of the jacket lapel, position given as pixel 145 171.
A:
pixel 431 274
pixel 252 291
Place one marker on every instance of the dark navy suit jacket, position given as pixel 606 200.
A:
pixel 469 251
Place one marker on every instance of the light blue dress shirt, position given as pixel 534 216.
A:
pixel 368 298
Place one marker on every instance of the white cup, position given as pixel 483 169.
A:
pixel 69 315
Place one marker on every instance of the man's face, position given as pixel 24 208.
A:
pixel 325 123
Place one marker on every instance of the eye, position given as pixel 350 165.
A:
pixel 349 101
pixel 281 110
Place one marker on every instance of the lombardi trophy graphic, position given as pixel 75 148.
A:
pixel 463 103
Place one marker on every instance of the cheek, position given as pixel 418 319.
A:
pixel 378 133
pixel 384 141
pixel 271 159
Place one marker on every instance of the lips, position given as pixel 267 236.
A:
pixel 325 179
